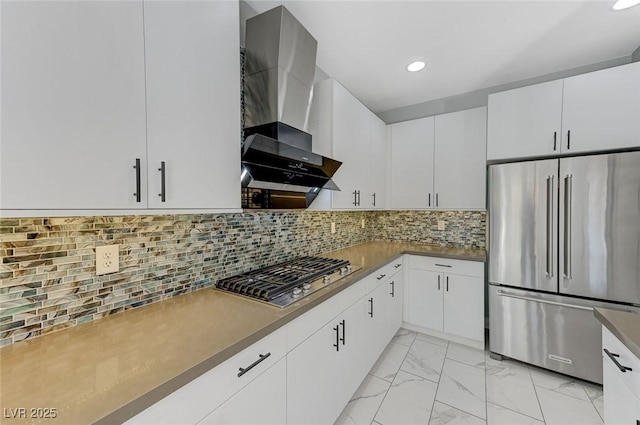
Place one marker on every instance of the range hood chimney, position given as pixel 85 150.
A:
pixel 277 160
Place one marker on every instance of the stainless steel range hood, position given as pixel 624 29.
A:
pixel 278 85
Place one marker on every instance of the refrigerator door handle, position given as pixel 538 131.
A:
pixel 568 186
pixel 537 300
pixel 550 226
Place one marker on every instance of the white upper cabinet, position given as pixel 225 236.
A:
pixel 90 89
pixel 439 162
pixel 460 167
pixel 344 129
pixel 596 111
pixel 412 164
pixel 601 110
pixel 73 105
pixel 377 196
pixel 525 122
pixel 193 103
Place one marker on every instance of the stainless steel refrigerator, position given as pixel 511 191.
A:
pixel 564 237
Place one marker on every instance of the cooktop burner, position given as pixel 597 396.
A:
pixel 287 282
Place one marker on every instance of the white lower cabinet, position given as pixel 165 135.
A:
pixel 262 402
pixel 446 297
pixel 200 397
pixel 621 389
pixel 303 373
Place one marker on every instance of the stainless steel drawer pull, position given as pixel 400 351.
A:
pixel 252 365
pixel 613 356
pixel 578 307
pixel 443 265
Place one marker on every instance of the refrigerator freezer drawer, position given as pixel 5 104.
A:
pixel 551 331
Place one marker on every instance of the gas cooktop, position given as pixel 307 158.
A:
pixel 287 282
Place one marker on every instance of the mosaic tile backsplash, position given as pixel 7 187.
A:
pixel 47 265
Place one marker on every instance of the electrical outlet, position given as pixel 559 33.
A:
pixel 107 259
pixel 333 228
pixel 362 223
pixel 441 224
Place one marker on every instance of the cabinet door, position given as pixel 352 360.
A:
pixel 460 165
pixel 376 197
pixel 602 110
pixel 312 379
pixel 193 103
pixel 395 286
pixel 73 105
pixel 621 406
pixel 351 145
pixel 412 164
pixel 464 306
pixel 425 293
pixel 351 367
pixel 261 402
pixel 525 122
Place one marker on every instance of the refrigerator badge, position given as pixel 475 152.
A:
pixel 560 359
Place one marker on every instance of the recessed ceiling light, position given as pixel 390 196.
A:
pixel 418 65
pixel 625 4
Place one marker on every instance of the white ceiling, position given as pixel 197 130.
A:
pixel 467 45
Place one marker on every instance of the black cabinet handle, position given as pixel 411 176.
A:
pixel 371 302
pixel 447 278
pixel 568 139
pixel 355 198
pixel 436 199
pixel 393 289
pixel 555 134
pixel 438 282
pixel 138 193
pixel 358 198
pixel 613 356
pixel 398 265
pixel 381 276
pixel 443 265
pixel 429 198
pixel 337 344
pixel 374 199
pixel 163 192
pixel 343 331
pixel 252 365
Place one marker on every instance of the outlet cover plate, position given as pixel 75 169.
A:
pixel 107 259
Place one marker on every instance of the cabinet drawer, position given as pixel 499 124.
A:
pixel 627 358
pixel 198 398
pixel 383 273
pixel 304 326
pixel 447 265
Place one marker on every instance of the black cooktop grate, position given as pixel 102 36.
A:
pixel 270 282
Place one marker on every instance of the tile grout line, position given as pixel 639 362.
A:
pixel 394 378
pixel 535 390
pixel 438 386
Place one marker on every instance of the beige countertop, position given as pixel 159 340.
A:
pixel 624 325
pixel 108 370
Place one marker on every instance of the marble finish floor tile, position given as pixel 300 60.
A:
pixel 420 379
pixel 560 409
pixel 389 362
pixel 498 415
pixel 364 404
pixel 509 384
pixel 408 401
pixel 467 355
pixel 447 415
pixel 425 360
pixel 559 383
pixel 463 387
pixel 404 337
pixel 432 339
